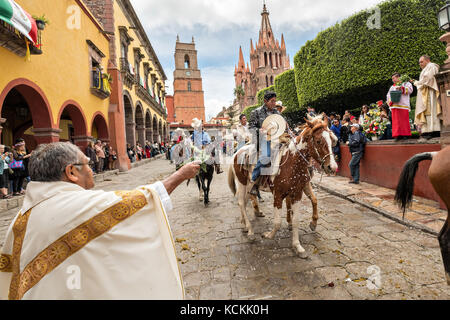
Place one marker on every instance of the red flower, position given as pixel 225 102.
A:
pixel 380 103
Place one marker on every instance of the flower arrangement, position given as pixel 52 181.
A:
pixel 404 78
pixel 373 124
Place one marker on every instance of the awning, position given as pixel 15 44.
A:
pixel 13 14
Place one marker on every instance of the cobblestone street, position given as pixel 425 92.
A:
pixel 350 244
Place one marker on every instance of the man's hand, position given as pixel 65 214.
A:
pixel 188 171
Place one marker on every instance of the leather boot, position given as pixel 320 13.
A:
pixel 255 189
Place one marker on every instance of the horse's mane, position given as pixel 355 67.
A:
pixel 306 129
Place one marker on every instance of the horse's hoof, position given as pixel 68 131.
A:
pixel 259 215
pixel 290 227
pixel 313 226
pixel 303 255
pixel 268 235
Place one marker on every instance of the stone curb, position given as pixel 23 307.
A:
pixel 377 210
pixel 146 161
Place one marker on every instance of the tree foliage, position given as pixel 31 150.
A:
pixel 286 90
pixel 349 65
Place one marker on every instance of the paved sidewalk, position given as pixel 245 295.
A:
pixel 424 214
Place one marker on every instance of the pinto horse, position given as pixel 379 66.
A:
pixel 204 179
pixel 439 175
pixel 293 178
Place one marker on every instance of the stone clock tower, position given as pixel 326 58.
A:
pixel 189 101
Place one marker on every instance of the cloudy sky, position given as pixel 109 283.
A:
pixel 221 26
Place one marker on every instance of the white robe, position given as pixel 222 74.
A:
pixel 428 110
pixel 131 257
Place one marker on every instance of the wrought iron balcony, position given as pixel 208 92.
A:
pixel 127 76
pixel 13 40
pixel 100 84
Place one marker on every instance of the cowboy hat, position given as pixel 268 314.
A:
pixel 196 123
pixel 275 125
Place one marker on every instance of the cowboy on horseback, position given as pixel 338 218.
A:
pixel 202 141
pixel 263 144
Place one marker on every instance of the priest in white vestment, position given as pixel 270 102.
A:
pixel 428 110
pixel 69 242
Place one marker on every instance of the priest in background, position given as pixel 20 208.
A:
pixel 428 110
pixel 69 242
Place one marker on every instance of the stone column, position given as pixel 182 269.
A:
pixel 46 135
pixel 443 80
pixel 149 135
pixel 82 141
pixel 140 133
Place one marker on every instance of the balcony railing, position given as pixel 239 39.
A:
pixel 13 40
pixel 127 75
pixel 100 84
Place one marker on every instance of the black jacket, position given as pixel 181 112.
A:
pixel 357 142
pixel 259 115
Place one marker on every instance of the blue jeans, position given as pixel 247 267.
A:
pixel 354 166
pixel 263 160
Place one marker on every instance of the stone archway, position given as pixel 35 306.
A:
pixel 155 129
pixel 130 124
pixel 99 128
pixel 148 127
pixel 160 132
pixel 140 123
pixel 72 123
pixel 25 113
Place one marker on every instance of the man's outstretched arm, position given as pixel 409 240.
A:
pixel 188 171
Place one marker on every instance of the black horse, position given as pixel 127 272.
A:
pixel 204 179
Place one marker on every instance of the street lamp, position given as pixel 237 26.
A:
pixel 444 17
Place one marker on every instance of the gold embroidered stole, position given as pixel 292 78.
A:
pixel 68 244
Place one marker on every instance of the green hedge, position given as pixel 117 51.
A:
pixel 248 111
pixel 286 90
pixel 349 65
pixel 260 94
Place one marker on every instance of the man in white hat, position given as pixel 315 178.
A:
pixel 200 138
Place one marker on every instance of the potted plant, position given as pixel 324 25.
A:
pixel 41 21
pixel 396 95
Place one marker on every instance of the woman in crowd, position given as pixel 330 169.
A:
pixel 5 159
pixel 112 158
pixel 18 165
pixel 90 153
pixel 387 118
pixel 345 129
pixel 364 114
pixel 131 153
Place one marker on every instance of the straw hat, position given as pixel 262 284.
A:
pixel 275 125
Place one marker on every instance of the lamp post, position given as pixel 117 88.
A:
pixel 443 77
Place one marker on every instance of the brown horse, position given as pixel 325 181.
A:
pixel 439 175
pixel 293 179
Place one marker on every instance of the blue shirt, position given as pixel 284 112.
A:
pixel 200 138
pixel 336 131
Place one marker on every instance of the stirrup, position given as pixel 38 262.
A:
pixel 254 191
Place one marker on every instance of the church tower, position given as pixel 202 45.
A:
pixel 267 60
pixel 189 101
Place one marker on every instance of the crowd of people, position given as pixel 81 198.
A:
pixel 13 169
pixel 149 150
pixel 102 156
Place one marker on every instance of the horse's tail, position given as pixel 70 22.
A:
pixel 231 183
pixel 405 187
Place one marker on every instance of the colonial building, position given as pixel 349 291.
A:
pixel 138 103
pixel 267 60
pixel 61 92
pixel 189 101
pixel 92 74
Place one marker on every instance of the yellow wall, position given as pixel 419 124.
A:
pixel 121 20
pixel 63 70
